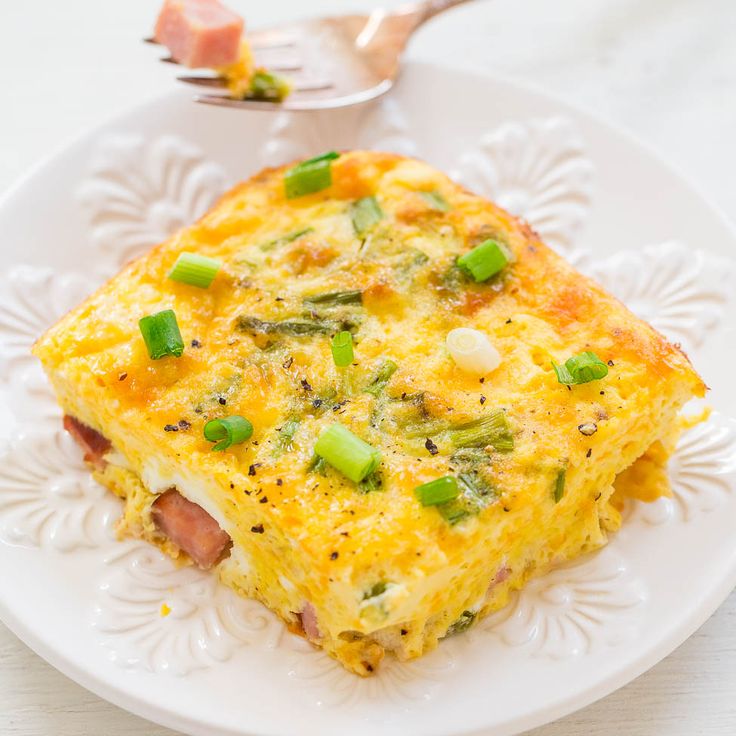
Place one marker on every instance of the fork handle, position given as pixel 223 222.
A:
pixel 429 8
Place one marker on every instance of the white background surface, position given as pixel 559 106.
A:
pixel 664 69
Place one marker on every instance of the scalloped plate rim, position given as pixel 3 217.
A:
pixel 645 148
pixel 626 673
pixel 677 631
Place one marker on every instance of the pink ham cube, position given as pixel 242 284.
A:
pixel 199 33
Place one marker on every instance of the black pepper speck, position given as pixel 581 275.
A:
pixel 252 468
pixel 334 555
pixel 431 447
pixel 122 376
pixel 196 344
pixel 171 428
pixel 482 399
pixel 305 384
pixel 184 424
pixel 258 529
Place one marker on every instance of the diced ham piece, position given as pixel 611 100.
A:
pixel 501 575
pixel 308 618
pixel 190 527
pixel 199 33
pixel 90 440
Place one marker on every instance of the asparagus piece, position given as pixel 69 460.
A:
pixel 476 495
pixel 491 429
pixel 436 201
pixel 365 213
pixel 334 298
pixel 284 239
pixel 559 487
pixel 292 327
pixel 381 378
pixel 461 624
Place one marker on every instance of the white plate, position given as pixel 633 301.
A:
pixel 221 665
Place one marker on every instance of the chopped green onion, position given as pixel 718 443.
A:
pixel 342 349
pixel 195 270
pixel 581 368
pixel 334 298
pixel 365 213
pixel 347 453
pixel 309 176
pixel 381 378
pixel 161 334
pixel 491 429
pixel 485 260
pixel 436 201
pixel 559 489
pixel 268 87
pixel 228 431
pixel 438 491
pixel 472 351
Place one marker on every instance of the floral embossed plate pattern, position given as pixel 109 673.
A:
pixel 173 645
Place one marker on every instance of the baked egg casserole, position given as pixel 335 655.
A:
pixel 368 398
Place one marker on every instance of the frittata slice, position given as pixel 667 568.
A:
pixel 349 545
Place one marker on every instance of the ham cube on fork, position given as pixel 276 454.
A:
pixel 199 33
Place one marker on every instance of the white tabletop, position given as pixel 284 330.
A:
pixel 664 69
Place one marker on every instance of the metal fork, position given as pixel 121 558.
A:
pixel 338 61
